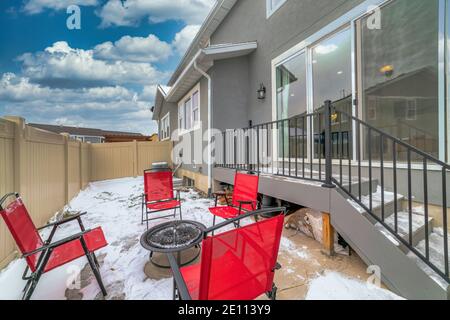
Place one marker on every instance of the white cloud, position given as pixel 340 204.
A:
pixel 38 6
pixel 111 108
pixel 137 49
pixel 148 93
pixel 113 13
pixel 184 38
pixel 60 65
pixel 17 89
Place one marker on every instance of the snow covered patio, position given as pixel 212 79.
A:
pixel 115 205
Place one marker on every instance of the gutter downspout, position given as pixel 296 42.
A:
pixel 207 76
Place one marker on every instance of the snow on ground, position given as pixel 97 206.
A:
pixel 335 286
pixel 115 205
pixel 288 246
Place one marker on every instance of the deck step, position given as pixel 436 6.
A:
pixel 436 245
pixel 365 186
pixel 418 227
pixel 389 203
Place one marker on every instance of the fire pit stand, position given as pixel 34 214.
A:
pixel 173 237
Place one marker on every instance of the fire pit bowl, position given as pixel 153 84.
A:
pixel 174 237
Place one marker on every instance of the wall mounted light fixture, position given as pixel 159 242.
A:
pixel 261 92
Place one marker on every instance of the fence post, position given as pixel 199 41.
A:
pixel 135 158
pixel 19 151
pixel 66 166
pixel 328 156
pixel 80 165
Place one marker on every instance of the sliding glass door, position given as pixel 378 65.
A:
pixel 332 80
pixel 399 75
pixel 292 101
pixel 387 67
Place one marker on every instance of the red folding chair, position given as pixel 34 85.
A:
pixel 44 256
pixel 244 198
pixel 158 194
pixel 236 265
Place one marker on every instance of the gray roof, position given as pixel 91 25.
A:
pixel 81 131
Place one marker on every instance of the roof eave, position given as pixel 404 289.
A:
pixel 205 59
pixel 209 26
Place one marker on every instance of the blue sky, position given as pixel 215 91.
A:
pixel 103 75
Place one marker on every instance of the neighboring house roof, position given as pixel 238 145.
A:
pixel 81 131
pixel 127 138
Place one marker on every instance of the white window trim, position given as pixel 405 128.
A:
pixel 167 116
pixel 348 20
pixel 181 103
pixel 414 109
pixel 271 10
pixel 345 21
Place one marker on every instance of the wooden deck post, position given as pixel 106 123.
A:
pixel 327 234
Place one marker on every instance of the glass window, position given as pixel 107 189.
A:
pixel 291 87
pixel 195 108
pixel 181 117
pixel 189 110
pixel 165 127
pixel 332 80
pixel 292 101
pixel 188 114
pixel 332 70
pixel 399 69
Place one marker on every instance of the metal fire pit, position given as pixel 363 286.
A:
pixel 174 237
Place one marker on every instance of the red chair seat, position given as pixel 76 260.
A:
pixel 165 205
pixel 238 282
pixel 225 212
pixel 70 251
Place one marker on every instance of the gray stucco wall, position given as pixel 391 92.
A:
pixel 230 93
pixel 292 23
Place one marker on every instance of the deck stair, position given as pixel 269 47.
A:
pixel 404 233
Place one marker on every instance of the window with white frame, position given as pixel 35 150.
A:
pixel 195 109
pixel 181 117
pixel 273 5
pixel 189 111
pixel 165 127
pixel 411 110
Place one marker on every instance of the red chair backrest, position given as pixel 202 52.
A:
pixel 245 188
pixel 239 264
pixel 23 230
pixel 158 185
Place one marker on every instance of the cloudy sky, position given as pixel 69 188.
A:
pixel 101 76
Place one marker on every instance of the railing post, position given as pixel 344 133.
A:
pixel 328 157
pixel 247 151
pixel 224 162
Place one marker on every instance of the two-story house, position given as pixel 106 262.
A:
pixel 375 158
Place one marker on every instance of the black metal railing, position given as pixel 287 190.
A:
pixel 278 147
pixel 382 174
